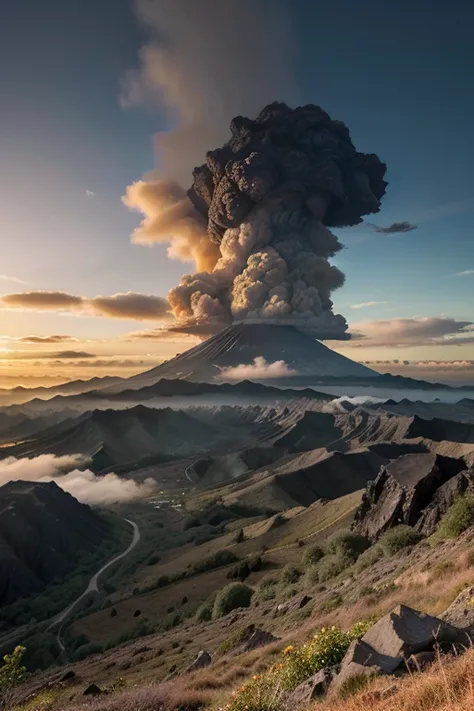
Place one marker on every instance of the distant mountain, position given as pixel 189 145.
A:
pixel 117 437
pixel 43 531
pixel 20 394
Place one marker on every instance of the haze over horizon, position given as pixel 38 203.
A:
pixel 78 298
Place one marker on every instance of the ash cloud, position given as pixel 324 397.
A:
pixel 83 484
pixel 259 369
pixel 394 229
pixel 256 218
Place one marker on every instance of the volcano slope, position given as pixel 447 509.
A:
pixel 240 344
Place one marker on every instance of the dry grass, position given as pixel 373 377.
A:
pixel 447 686
pixel 165 697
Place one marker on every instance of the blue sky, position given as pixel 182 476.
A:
pixel 398 73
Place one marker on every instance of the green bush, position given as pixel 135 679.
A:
pixel 289 575
pixel 312 555
pixel 244 569
pixel 216 560
pixel 229 598
pixel 349 545
pixel 332 565
pixel 204 612
pixel 368 558
pixel 398 538
pixel 311 577
pixel 458 518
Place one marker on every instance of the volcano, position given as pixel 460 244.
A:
pixel 241 343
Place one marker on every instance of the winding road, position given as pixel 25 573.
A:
pixel 93 585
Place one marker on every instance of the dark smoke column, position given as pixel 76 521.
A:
pixel 269 196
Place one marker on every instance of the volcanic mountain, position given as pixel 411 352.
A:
pixel 241 344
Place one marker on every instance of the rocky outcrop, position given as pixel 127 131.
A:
pixel 407 488
pixel 202 660
pixel 461 612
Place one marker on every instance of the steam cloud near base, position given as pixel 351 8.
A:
pixel 260 369
pixel 84 485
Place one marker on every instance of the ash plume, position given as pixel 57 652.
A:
pixel 268 197
pixel 255 220
pixel 259 369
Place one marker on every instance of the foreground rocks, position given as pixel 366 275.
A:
pixel 415 489
pixel 403 638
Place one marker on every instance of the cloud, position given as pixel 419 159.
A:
pixel 259 369
pixel 159 334
pixel 440 331
pixel 43 300
pixel 367 304
pixel 48 339
pixel 90 193
pixel 38 355
pixel 133 306
pixel 5 277
pixel 468 272
pixel 83 485
pixel 101 363
pixel 393 229
pixel 205 63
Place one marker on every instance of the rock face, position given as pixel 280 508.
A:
pixel 415 489
pixel 259 638
pixel 202 660
pixel 43 531
pixel 397 637
pixel 461 612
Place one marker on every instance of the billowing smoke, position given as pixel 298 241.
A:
pixel 256 218
pixel 84 485
pixel 260 369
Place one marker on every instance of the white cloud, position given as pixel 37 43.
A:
pixel 90 193
pixel 367 304
pixel 83 485
pixel 259 369
pixel 15 280
pixel 468 272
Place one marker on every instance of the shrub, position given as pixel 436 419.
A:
pixel 229 598
pixel 398 538
pixel 331 603
pixel 267 582
pixel 332 565
pixel 312 576
pixel 203 613
pixel 216 560
pixel 312 555
pixel 369 558
pixel 290 575
pixel 242 571
pixel 12 672
pixel 349 545
pixel 458 518
pixel 153 559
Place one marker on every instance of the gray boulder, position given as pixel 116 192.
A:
pixel 461 612
pixel 308 690
pixel 202 660
pixel 395 638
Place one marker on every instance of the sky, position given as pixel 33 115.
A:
pixel 74 135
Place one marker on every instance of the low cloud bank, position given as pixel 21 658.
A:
pixel 83 485
pixel 259 369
